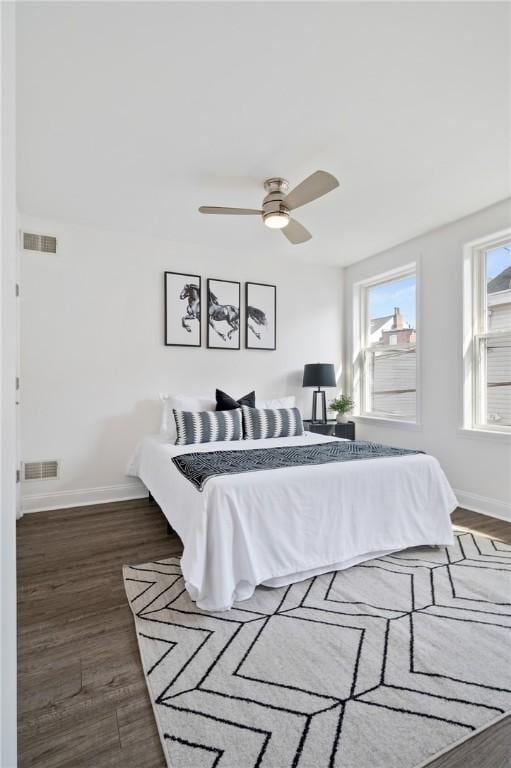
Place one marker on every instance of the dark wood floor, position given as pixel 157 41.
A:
pixel 82 696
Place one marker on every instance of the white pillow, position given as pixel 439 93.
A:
pixel 279 402
pixel 180 403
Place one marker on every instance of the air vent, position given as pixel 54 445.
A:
pixel 41 243
pixel 40 470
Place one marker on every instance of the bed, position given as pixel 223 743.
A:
pixel 277 526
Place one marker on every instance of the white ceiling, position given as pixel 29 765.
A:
pixel 131 115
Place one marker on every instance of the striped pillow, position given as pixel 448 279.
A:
pixel 207 426
pixel 260 423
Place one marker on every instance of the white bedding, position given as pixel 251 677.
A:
pixel 277 526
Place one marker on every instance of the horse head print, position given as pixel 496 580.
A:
pixel 218 312
pixel 259 318
pixel 192 293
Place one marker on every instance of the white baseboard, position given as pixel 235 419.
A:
pixel 484 504
pixel 82 497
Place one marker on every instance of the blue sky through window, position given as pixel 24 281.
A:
pixel 399 293
pixel 497 260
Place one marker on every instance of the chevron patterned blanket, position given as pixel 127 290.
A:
pixel 198 468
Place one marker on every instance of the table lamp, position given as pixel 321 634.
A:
pixel 319 375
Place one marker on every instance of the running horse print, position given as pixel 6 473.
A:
pixel 223 314
pixel 260 316
pixel 192 293
pixel 218 312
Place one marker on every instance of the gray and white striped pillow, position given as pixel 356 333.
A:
pixel 260 423
pixel 208 426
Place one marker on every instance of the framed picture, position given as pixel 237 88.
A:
pixel 223 314
pixel 182 310
pixel 260 316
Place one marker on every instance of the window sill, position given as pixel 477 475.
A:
pixel 387 422
pixel 484 434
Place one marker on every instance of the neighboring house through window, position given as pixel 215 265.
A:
pixel 487 334
pixel 386 364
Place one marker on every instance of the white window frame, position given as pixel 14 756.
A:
pixel 361 333
pixel 475 333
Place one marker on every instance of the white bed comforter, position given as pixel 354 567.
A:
pixel 278 526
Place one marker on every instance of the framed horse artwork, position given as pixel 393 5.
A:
pixel 260 316
pixel 182 310
pixel 223 314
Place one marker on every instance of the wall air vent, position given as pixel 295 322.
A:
pixel 40 470
pixel 41 243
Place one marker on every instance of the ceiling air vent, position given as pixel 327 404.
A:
pixel 40 470
pixel 41 243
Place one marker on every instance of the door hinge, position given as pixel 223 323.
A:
pixel 17 290
pixel 17 382
pixel 18 475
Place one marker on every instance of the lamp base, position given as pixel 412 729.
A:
pixel 315 406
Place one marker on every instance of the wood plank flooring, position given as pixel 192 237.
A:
pixel 82 696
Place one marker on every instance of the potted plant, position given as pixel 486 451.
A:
pixel 342 405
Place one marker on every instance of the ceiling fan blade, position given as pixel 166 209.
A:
pixel 296 232
pixel 314 186
pixel 234 211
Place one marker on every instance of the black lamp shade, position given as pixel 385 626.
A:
pixel 319 375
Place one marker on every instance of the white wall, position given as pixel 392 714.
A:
pixel 478 467
pixel 92 353
pixel 8 398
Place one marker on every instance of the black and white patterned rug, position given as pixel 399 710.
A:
pixel 383 665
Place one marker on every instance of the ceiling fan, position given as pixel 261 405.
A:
pixel 279 202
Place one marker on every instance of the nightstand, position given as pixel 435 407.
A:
pixel 331 428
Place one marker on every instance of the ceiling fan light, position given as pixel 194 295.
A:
pixel 277 219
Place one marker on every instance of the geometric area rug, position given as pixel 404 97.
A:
pixel 384 665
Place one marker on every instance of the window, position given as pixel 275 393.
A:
pixel 387 359
pixel 487 342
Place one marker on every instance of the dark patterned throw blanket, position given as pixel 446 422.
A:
pixel 198 468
